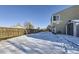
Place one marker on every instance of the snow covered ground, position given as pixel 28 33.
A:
pixel 40 43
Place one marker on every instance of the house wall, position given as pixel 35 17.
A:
pixel 71 13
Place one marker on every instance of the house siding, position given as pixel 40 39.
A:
pixel 71 13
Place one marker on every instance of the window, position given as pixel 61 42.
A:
pixel 56 18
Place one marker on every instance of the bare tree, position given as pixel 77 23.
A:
pixel 28 25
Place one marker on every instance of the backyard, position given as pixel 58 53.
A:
pixel 40 43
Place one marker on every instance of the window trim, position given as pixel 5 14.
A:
pixel 57 18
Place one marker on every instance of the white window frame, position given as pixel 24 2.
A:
pixel 57 19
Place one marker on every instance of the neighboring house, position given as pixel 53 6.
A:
pixel 17 26
pixel 66 21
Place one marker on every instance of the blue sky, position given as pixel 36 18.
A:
pixel 39 15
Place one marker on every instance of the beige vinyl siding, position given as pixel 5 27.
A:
pixel 65 15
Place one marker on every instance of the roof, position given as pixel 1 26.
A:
pixel 64 10
pixel 76 21
pixel 17 27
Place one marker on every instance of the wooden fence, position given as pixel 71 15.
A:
pixel 29 31
pixel 11 32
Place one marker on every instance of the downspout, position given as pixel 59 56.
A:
pixel 74 29
pixel 66 29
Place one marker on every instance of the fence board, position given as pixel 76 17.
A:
pixel 11 32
